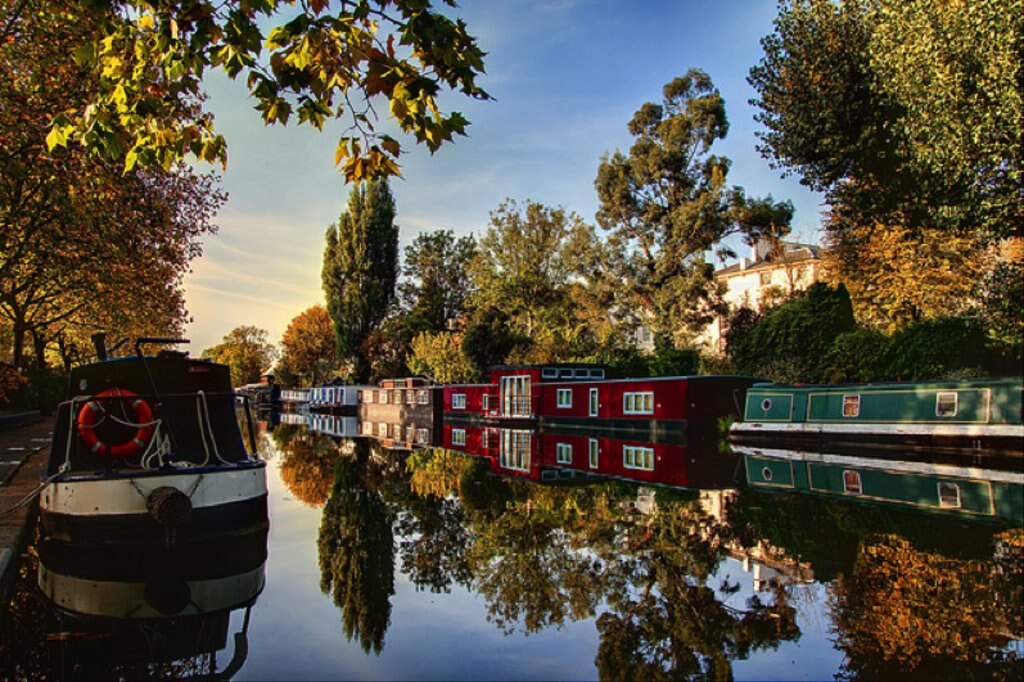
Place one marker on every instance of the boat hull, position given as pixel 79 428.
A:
pixel 113 508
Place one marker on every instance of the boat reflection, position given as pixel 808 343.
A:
pixel 645 456
pixel 125 612
pixel 935 487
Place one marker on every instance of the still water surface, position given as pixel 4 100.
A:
pixel 386 563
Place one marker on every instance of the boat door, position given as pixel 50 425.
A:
pixel 515 396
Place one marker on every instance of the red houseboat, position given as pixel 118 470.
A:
pixel 582 396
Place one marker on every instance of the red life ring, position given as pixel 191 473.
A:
pixel 93 410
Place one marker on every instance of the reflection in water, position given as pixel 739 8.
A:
pixel 357 555
pixel 638 542
pixel 103 612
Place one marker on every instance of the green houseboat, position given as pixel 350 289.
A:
pixel 941 488
pixel 981 415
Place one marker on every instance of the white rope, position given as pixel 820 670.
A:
pixel 207 424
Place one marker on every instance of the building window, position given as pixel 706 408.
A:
pixel 367 428
pixel 851 405
pixel 423 396
pixel 410 434
pixel 592 452
pixel 410 397
pixel 949 495
pixel 382 430
pixel 851 483
pixel 422 436
pixel 638 403
pixel 564 398
pixel 458 436
pixel 384 397
pixel 563 453
pixel 945 404
pixel 766 278
pixel 459 401
pixel 369 397
pixel 636 457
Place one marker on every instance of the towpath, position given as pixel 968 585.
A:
pixel 23 451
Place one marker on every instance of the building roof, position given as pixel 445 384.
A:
pixel 792 253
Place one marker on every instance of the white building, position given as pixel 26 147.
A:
pixel 764 278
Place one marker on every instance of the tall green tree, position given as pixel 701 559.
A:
pixel 666 203
pixel 904 113
pixel 523 269
pixel 247 351
pixel 360 268
pixel 317 60
pixel 436 288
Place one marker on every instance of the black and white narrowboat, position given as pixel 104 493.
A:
pixel 150 449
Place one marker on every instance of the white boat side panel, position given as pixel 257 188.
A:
pixel 921 429
pixel 128 600
pixel 128 495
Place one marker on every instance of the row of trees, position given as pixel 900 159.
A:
pixel 84 244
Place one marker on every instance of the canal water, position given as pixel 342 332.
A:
pixel 520 555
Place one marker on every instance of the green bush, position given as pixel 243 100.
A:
pixel 949 348
pixel 858 355
pixel 789 343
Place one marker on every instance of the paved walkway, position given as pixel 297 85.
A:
pixel 23 453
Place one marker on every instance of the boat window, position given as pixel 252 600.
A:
pixel 563 453
pixel 565 373
pixel 851 483
pixel 638 403
pixel 949 495
pixel 766 404
pixel 549 373
pixel 564 398
pixel 946 404
pixel 459 401
pixel 458 436
pixel 593 452
pixel 582 373
pixel 851 405
pixel 597 374
pixel 637 457
pixel 767 474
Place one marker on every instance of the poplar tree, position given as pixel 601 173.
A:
pixel 360 268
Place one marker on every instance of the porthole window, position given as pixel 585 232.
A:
pixel 766 404
pixel 766 473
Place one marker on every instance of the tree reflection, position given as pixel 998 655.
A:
pixel 431 523
pixel 907 612
pixel 666 622
pixel 356 548
pixel 307 466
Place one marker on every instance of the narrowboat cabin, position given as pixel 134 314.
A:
pixel 583 396
pixel 149 449
pixel 934 487
pixel 977 416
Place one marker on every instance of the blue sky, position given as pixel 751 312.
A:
pixel 566 76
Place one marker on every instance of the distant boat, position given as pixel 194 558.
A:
pixel 148 449
pixel 977 415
